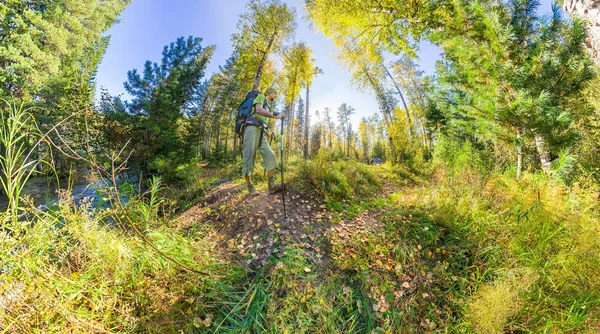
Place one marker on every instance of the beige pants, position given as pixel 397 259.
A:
pixel 251 141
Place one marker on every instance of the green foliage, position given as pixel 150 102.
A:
pixel 336 180
pixel 85 276
pixel 49 55
pixel 537 228
pixel 461 158
pixel 52 44
pixel 510 76
pixel 261 30
pixel 494 304
pixel 164 90
pixel 392 25
pixel 19 139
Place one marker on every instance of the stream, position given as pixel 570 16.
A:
pixel 43 190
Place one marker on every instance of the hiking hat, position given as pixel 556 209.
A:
pixel 270 90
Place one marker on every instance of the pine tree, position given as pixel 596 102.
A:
pixel 56 43
pixel 164 90
pixel 511 78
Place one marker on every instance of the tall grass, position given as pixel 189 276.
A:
pixel 538 225
pixel 70 272
pixel 336 180
pixel 66 270
pixel 19 139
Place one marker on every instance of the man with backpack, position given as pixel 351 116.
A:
pixel 254 136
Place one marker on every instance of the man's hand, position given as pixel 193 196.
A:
pixel 279 116
pixel 271 135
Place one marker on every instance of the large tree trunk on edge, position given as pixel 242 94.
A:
pixel 589 11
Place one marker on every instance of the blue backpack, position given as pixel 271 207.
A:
pixel 244 113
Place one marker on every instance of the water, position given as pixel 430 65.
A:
pixel 44 190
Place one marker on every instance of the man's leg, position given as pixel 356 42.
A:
pixel 270 163
pixel 248 155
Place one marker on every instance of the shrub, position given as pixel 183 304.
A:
pixel 336 180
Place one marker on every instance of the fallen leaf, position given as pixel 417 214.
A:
pixel 207 322
pixel 406 285
pixel 383 304
pixel 307 269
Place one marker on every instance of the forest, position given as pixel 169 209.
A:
pixel 466 201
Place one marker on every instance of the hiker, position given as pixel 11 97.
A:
pixel 255 135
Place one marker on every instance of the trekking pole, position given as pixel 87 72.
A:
pixel 282 171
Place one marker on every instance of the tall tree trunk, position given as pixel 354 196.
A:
pixel 420 94
pixel 589 11
pixel 540 145
pixel 263 60
pixel 423 135
pixel 386 117
pixel 290 127
pixel 348 138
pixel 410 121
pixel 306 124
pixel 519 154
pixel 218 138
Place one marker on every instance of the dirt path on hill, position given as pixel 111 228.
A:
pixel 250 230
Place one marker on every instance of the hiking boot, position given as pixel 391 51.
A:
pixel 252 190
pixel 273 188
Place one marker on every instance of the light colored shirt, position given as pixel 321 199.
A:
pixel 260 99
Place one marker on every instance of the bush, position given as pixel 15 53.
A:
pixel 336 180
pixel 538 223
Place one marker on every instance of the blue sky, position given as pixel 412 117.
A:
pixel 148 25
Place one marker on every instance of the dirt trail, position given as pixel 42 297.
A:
pixel 252 229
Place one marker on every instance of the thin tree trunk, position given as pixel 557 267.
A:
pixel 423 134
pixel 386 117
pixel 290 127
pixel 306 123
pixel 410 121
pixel 262 63
pixel 519 154
pixel 540 145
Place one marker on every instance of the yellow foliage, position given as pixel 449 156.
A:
pixel 495 303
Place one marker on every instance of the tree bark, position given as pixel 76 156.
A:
pixel 540 145
pixel 519 154
pixel 262 62
pixel 306 123
pixel 410 121
pixel 589 11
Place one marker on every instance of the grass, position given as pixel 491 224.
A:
pixel 540 231
pixel 443 255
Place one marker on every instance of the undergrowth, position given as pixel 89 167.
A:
pixel 540 241
pixel 460 252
